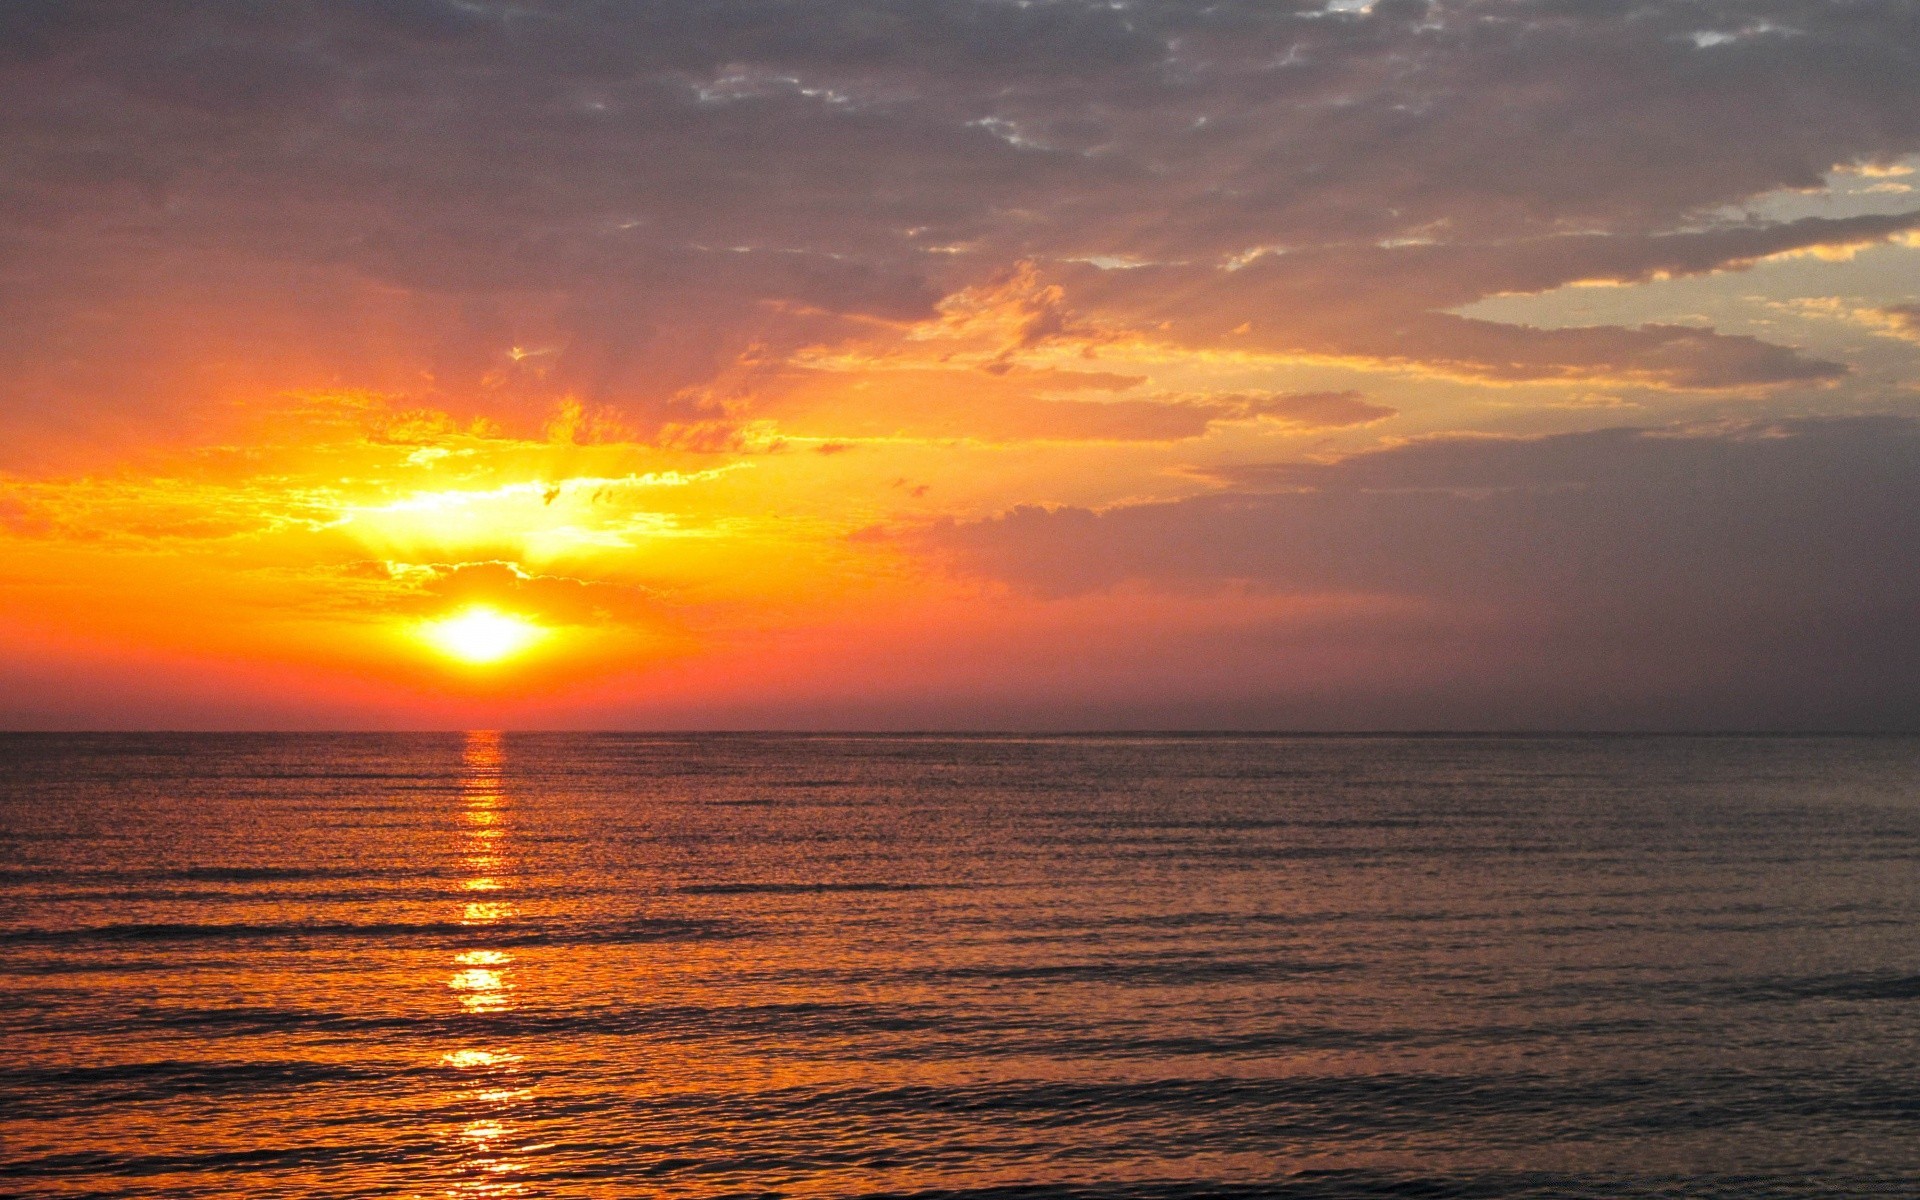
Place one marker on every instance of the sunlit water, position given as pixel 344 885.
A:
pixel 1132 967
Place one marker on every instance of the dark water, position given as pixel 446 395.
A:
pixel 1130 967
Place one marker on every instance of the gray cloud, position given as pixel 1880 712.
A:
pixel 1315 410
pixel 652 188
pixel 1760 575
pixel 981 410
pixel 1903 320
pixel 1382 303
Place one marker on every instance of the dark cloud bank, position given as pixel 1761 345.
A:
pixel 1757 577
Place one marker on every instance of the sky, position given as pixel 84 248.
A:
pixel 960 364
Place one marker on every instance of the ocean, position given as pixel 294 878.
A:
pixel 564 965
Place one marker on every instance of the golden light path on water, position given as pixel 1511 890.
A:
pixel 485 1146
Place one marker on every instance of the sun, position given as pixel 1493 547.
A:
pixel 479 634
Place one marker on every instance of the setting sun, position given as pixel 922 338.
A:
pixel 482 635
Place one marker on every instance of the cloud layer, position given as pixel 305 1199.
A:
pixel 1130 303
pixel 401 194
pixel 1757 576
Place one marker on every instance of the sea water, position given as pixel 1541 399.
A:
pixel 620 965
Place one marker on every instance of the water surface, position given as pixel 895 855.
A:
pixel 609 965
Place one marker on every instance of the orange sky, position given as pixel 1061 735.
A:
pixel 1061 367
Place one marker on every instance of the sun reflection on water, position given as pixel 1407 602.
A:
pixel 486 1146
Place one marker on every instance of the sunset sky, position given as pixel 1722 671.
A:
pixel 960 364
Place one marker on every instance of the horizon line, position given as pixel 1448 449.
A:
pixel 963 733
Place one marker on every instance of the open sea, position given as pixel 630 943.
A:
pixel 618 965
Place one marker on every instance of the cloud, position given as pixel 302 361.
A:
pixel 694 228
pixel 394 193
pixel 1756 574
pixel 1902 321
pixel 561 599
pixel 931 396
pixel 1386 304
pixel 1313 410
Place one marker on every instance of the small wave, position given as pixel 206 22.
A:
pixel 61 1091
pixel 1851 986
pixel 1373 1184
pixel 638 930
pixel 252 874
pixel 795 889
pixel 228 932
